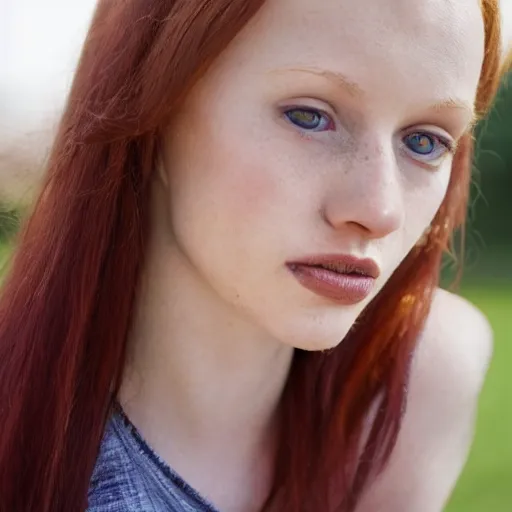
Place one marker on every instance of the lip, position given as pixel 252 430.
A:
pixel 347 280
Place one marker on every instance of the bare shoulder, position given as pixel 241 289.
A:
pixel 455 348
pixel 447 375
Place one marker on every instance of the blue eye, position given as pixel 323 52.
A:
pixel 420 143
pixel 309 119
pixel 426 147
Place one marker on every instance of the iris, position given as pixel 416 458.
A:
pixel 309 119
pixel 420 143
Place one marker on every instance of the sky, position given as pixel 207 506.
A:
pixel 40 41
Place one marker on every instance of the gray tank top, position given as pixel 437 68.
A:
pixel 130 477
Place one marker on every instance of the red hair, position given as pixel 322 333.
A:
pixel 67 302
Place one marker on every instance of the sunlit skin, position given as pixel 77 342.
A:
pixel 325 127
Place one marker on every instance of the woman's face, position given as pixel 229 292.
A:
pixel 326 128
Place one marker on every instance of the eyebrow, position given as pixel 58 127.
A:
pixel 454 103
pixel 355 90
pixel 338 79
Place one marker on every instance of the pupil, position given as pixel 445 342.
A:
pixel 305 118
pixel 421 143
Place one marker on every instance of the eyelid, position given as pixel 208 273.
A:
pixel 434 131
pixel 427 160
pixel 309 104
pixel 329 118
pixel 308 108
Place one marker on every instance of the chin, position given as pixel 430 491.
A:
pixel 316 335
pixel 317 346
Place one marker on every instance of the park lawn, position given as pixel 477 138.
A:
pixel 486 483
pixel 4 252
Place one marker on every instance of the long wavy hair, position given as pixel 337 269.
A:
pixel 67 302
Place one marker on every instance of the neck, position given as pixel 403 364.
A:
pixel 202 383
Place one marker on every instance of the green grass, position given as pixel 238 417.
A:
pixel 486 483
pixel 4 253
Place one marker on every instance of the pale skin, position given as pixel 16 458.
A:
pixel 242 188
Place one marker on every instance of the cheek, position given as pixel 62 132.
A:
pixel 248 185
pixel 423 203
pixel 214 176
pixel 246 176
pixel 225 195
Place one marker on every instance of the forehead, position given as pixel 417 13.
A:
pixel 401 45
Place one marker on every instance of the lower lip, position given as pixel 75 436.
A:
pixel 346 289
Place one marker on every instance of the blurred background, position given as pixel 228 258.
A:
pixel 39 46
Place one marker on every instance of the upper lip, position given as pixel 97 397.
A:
pixel 342 263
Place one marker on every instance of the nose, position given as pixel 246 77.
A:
pixel 367 194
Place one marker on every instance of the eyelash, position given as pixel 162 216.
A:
pixel 439 142
pixel 330 123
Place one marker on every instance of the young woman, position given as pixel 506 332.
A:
pixel 225 296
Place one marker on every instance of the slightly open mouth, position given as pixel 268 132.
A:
pixel 340 283
pixel 343 271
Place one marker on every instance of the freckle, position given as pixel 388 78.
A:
pixel 366 158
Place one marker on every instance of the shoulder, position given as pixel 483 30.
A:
pixel 105 491
pixel 447 374
pixel 454 349
pixel 114 485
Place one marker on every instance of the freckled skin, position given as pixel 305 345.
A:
pixel 248 190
